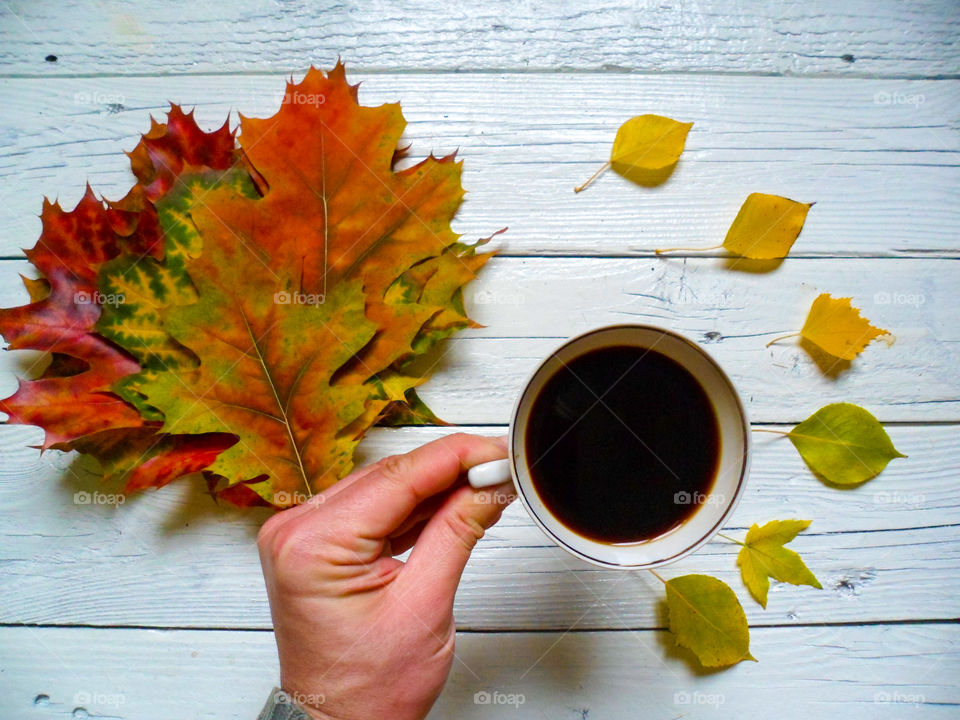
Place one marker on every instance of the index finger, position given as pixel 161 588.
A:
pixel 378 503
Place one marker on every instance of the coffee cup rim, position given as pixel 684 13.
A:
pixel 704 538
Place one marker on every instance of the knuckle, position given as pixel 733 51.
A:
pixel 396 468
pixel 267 532
pixel 459 442
pixel 291 545
pixel 464 529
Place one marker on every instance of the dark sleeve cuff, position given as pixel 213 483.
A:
pixel 280 706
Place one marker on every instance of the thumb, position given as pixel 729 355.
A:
pixel 444 546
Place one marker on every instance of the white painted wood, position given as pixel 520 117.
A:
pixel 894 672
pixel 882 37
pixel 531 305
pixel 887 550
pixel 876 150
pixel 880 157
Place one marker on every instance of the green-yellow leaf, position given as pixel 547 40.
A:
pixel 844 444
pixel 646 149
pixel 764 556
pixel 707 618
pixel 766 227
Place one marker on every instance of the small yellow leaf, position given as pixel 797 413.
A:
pixel 764 556
pixel 766 227
pixel 646 149
pixel 837 327
pixel 646 144
pixel 707 618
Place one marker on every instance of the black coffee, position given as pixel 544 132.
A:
pixel 623 444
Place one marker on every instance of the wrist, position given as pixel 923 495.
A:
pixel 286 705
pixel 308 703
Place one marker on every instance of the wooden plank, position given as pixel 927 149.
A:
pixel 732 314
pixel 880 157
pixel 530 305
pixel 887 550
pixel 901 671
pixel 858 37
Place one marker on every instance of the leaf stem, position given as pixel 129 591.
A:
pixel 782 337
pixel 593 177
pixel 725 537
pixel 657 576
pixel 688 249
pixel 775 432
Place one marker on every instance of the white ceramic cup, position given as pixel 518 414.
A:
pixel 713 508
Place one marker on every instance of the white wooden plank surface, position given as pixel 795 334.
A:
pixel 894 672
pixel 530 305
pixel 880 157
pixel 882 38
pixel 876 146
pixel 887 550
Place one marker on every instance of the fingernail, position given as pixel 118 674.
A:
pixel 502 440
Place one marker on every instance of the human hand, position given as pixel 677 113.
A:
pixel 361 634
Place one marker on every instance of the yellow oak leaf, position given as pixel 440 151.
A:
pixel 764 556
pixel 646 149
pixel 837 328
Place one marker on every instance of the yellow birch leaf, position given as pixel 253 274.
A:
pixel 837 327
pixel 844 444
pixel 766 227
pixel 764 556
pixel 646 149
pixel 707 618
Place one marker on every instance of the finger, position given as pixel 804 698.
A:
pixel 399 544
pixel 444 546
pixel 342 484
pixel 377 504
pixel 321 498
pixel 424 511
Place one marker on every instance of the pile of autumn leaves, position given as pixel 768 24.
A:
pixel 251 308
pixel 842 443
